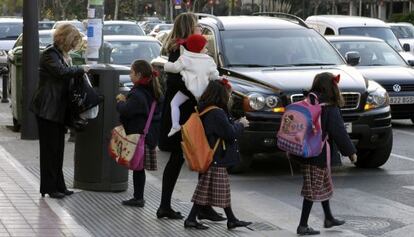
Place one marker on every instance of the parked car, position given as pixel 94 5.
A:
pixel 127 48
pixel 79 25
pixel 10 29
pixel 122 28
pixel 149 26
pixel 356 25
pixel 46 25
pixel 381 63
pixel 162 35
pixel 270 61
pixel 405 34
pixel 160 27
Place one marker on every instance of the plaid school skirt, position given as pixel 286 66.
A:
pixel 150 159
pixel 317 183
pixel 213 188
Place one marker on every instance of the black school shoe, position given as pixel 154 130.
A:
pixel 133 202
pixel 195 225
pixel 331 223
pixel 211 217
pixel 170 214
pixel 236 223
pixel 306 230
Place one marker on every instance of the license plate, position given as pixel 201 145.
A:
pixel 402 100
pixel 348 127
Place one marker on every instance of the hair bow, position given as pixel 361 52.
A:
pixel 225 83
pixel 181 41
pixel 155 73
pixel 337 78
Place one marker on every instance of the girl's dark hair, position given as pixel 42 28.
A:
pixel 216 94
pixel 326 87
pixel 143 67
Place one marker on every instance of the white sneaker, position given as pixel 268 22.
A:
pixel 173 131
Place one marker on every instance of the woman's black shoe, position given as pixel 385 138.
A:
pixel 170 214
pixel 331 223
pixel 194 224
pixel 306 230
pixel 211 217
pixel 133 202
pixel 56 195
pixel 237 223
pixel 68 192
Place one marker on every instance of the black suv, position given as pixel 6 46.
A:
pixel 270 60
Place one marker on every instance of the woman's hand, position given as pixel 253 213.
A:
pixel 353 158
pixel 244 121
pixel 120 97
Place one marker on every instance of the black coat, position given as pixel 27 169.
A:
pixel 338 138
pixel 51 97
pixel 174 84
pixel 218 124
pixel 135 111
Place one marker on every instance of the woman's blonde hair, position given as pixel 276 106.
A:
pixel 184 26
pixel 67 37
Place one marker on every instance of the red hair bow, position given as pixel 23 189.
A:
pixel 337 78
pixel 180 41
pixel 225 83
pixel 155 73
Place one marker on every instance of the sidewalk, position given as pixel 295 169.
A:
pixel 24 213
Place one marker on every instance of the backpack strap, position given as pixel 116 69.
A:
pixel 206 109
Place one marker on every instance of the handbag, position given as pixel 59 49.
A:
pixel 129 150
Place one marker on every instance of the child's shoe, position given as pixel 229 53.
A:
pixel 173 131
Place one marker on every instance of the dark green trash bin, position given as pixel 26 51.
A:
pixel 94 169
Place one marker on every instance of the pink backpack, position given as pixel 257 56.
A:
pixel 300 131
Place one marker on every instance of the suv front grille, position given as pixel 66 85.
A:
pixel 352 100
pixel 404 87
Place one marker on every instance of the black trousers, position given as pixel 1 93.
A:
pixel 52 145
pixel 139 184
pixel 169 178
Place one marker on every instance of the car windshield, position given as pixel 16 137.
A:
pixel 10 31
pixel 278 48
pixel 165 27
pixel 371 53
pixel 403 32
pixel 122 30
pixel 125 52
pixel 383 33
pixel 45 39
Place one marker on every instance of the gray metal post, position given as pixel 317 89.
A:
pixel 94 31
pixel 30 68
pixel 5 80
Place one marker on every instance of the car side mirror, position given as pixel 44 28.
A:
pixel 352 58
pixel 411 63
pixel 407 47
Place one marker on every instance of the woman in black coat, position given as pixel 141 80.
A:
pixel 185 24
pixel 50 103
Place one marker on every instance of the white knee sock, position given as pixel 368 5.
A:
pixel 178 100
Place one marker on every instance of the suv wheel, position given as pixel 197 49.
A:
pixel 245 162
pixel 376 157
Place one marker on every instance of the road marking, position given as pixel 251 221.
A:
pixel 402 157
pixel 408 187
pixel 403 132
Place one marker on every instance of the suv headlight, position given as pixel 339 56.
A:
pixel 377 96
pixel 258 101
